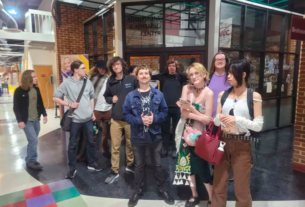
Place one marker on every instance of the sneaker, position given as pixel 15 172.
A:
pixel 168 198
pixel 94 167
pixel 34 165
pixel 163 152
pixel 130 168
pixel 133 201
pixel 71 174
pixel 112 177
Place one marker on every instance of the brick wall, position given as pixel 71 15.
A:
pixel 153 64
pixel 299 137
pixel 69 37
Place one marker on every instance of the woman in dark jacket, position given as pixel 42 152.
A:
pixel 28 107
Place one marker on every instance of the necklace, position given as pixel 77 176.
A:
pixel 199 89
pixel 237 98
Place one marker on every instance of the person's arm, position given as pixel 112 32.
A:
pixel 217 121
pixel 129 117
pixel 108 95
pixel 157 76
pixel 159 118
pixel 60 92
pixel 91 94
pixel 16 107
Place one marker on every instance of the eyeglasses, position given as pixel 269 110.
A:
pixel 83 68
pixel 219 59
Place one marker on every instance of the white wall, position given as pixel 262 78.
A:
pixel 45 5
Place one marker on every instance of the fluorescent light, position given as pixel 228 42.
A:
pixel 12 11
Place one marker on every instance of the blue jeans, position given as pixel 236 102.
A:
pixel 31 131
pixel 87 128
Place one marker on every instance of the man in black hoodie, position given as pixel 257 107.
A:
pixel 118 86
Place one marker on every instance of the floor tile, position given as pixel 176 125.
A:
pixel 60 185
pixel 11 198
pixel 41 201
pixel 18 204
pixel 52 205
pixel 75 202
pixel 65 194
pixel 37 191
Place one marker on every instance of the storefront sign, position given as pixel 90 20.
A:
pixel 225 33
pixel 149 26
pixel 298 28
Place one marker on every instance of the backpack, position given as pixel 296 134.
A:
pixel 250 92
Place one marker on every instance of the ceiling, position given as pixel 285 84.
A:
pixel 90 4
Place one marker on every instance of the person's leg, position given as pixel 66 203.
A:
pixel 176 117
pixel 129 152
pixel 98 118
pixel 166 133
pixel 74 131
pixel 241 159
pixel 106 117
pixel 87 128
pixel 116 139
pixel 32 138
pixel 221 178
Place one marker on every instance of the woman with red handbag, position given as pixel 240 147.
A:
pixel 196 105
pixel 234 112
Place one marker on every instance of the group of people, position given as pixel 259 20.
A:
pixel 144 115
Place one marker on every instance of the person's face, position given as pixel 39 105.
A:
pixel 117 67
pixel 81 71
pixel 143 76
pixel 195 76
pixel 220 61
pixel 67 63
pixel 102 71
pixel 35 80
pixel 231 79
pixel 172 68
pixel 134 72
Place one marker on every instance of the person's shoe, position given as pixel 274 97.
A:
pixel 34 165
pixel 133 201
pixel 167 197
pixel 130 168
pixel 107 154
pixel 94 167
pixel 71 174
pixel 163 152
pixel 112 177
pixel 192 203
pixel 174 154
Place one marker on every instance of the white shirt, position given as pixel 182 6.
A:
pixel 101 104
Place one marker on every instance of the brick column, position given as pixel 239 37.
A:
pixel 299 137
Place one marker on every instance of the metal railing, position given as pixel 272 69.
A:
pixel 39 22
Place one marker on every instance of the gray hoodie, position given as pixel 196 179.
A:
pixel 71 88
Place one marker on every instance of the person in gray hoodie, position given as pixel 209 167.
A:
pixel 83 115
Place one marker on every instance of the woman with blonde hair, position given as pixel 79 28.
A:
pixel 66 65
pixel 196 104
pixel 28 107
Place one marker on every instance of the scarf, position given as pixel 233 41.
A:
pixel 98 82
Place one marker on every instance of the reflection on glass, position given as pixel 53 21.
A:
pixel 269 112
pixel 286 112
pixel 254 60
pixel 185 24
pixel 254 28
pixel 290 45
pixel 185 61
pixel 230 24
pixel 271 72
pixel 232 55
pixel 288 75
pixel 144 25
pixel 274 32
pixel 90 38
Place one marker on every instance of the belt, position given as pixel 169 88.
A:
pixel 241 137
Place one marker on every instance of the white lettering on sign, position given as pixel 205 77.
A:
pixel 297 30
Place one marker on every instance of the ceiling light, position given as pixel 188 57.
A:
pixel 12 11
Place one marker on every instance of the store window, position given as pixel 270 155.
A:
pixel 273 36
pixel 144 25
pixel 288 75
pixel 290 45
pixel 185 24
pixel 230 26
pixel 271 71
pixel 254 60
pixel 254 28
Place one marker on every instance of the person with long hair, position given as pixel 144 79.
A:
pixel 28 108
pixel 132 70
pixel 171 83
pixel 196 106
pixel 240 121
pixel 118 86
pixel 218 76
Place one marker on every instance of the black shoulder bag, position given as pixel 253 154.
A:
pixel 66 120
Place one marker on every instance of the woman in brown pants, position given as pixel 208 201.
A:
pixel 239 124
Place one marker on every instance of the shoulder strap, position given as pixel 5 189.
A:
pixel 79 95
pixel 250 102
pixel 225 96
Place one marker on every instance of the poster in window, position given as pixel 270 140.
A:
pixel 225 33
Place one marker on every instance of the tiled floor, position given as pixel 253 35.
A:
pixel 273 182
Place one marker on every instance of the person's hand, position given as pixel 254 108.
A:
pixel 74 105
pixel 228 120
pixel 151 117
pixel 21 125
pixel 93 117
pixel 45 120
pixel 115 99
pixel 206 119
pixel 145 119
pixel 186 106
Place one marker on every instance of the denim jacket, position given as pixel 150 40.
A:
pixel 132 111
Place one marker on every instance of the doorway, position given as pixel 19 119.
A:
pixel 46 88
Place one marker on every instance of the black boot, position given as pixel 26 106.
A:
pixel 192 203
pixel 167 197
pixel 163 152
pixel 134 198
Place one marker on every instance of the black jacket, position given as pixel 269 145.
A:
pixel 119 88
pixel 21 104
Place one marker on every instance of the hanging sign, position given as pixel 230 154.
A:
pixel 298 28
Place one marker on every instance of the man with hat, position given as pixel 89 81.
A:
pixel 99 75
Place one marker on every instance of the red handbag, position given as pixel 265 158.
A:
pixel 209 147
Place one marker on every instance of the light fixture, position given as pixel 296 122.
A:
pixel 12 11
